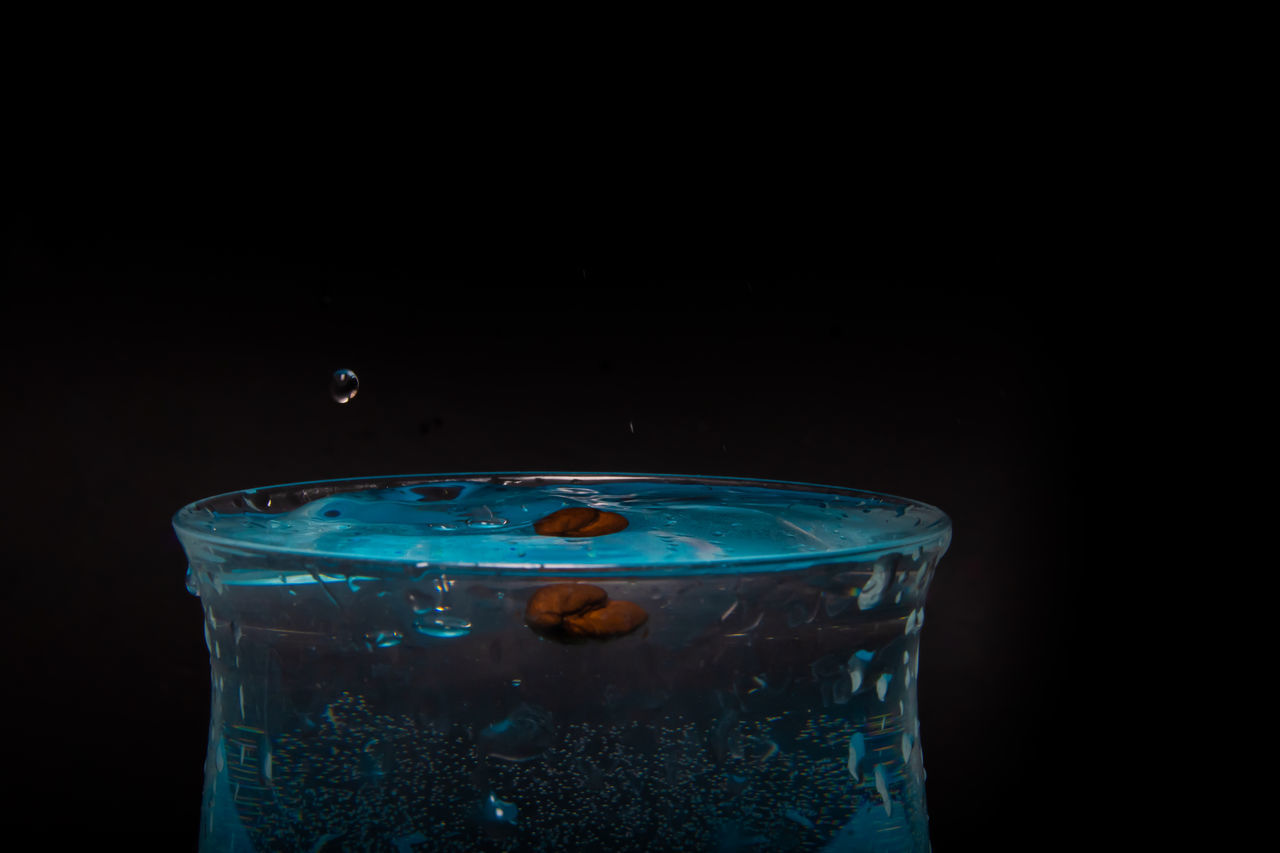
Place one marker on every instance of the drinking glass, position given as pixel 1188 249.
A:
pixel 562 661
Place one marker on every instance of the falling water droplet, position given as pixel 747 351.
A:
pixel 344 385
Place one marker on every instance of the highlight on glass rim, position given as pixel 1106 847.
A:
pixel 562 661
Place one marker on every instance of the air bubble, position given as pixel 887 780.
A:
pixel 525 734
pixel 442 626
pixel 498 813
pixel 486 523
pixel 344 386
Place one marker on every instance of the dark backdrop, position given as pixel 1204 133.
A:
pixel 146 370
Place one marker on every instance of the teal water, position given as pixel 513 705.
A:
pixel 488 522
pixel 376 687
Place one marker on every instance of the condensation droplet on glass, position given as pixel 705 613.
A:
pixel 420 602
pixel 383 639
pixel 344 386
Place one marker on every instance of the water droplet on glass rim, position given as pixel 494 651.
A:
pixel 344 385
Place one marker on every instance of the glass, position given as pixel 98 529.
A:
pixel 559 661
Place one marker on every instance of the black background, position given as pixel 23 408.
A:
pixel 149 367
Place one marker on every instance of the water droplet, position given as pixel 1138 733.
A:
pixel 882 788
pixel 344 385
pixel 442 626
pixel 265 751
pixel 857 749
pixel 836 603
pixel 524 735
pixel 419 602
pixel 383 639
pixel 882 685
pixel 498 813
pixel 841 690
pixel 875 588
pixel 797 614
pixel 486 523
pixel 191 583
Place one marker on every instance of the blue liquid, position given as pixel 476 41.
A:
pixel 376 686
pixel 489 522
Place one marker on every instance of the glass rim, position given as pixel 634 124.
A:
pixel 185 520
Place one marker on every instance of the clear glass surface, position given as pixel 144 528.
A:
pixel 398 663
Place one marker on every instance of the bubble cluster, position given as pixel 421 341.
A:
pixel 789 781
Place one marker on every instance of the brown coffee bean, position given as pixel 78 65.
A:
pixel 580 521
pixel 581 610
pixel 549 605
pixel 613 620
